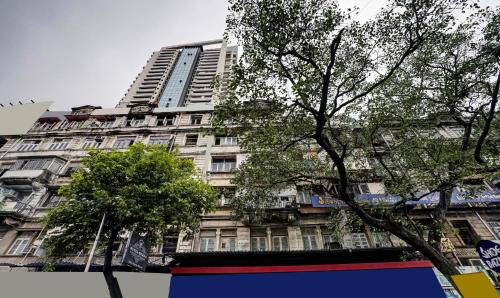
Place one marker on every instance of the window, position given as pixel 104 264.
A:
pixel 329 243
pixel 455 132
pixel 310 242
pixel 303 195
pixel 123 142
pixel 226 141
pixel 196 119
pixel 191 140
pixel 388 138
pixel 165 120
pixel 21 245
pixel 280 243
pixel 43 125
pixel 56 165
pixel 159 140
pixel 430 133
pixel 169 244
pixel 309 239
pixel 22 195
pixel 476 263
pixel 223 164
pixel 59 144
pixel 258 240
pixel 52 164
pixel 226 194
pixel 382 240
pixel 228 240
pixel 207 241
pixel 360 188
pixel 71 169
pixel 28 145
pixel 328 240
pixel 495 226
pixel 280 239
pixel 52 200
pixel 107 123
pixel 282 202
pixel 355 240
pixel 465 232
pixel 92 143
pixel 258 243
pixel 135 122
pixel 71 124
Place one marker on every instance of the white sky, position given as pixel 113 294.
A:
pixel 90 51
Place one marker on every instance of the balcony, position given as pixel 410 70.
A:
pixel 16 209
pixel 28 170
pixel 26 176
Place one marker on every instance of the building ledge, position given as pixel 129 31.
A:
pixel 299 257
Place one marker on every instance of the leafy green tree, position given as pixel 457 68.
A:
pixel 315 91
pixel 145 189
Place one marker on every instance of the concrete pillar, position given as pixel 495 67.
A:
pixel 243 239
pixel 295 238
pixel 319 235
pixel 217 240
pixel 269 239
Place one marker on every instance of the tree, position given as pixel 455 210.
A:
pixel 145 189
pixel 315 90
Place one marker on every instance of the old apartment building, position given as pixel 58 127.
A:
pixel 171 102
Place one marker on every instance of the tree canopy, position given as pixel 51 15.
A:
pixel 145 189
pixel 316 92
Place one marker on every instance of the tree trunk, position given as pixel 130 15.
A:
pixel 437 258
pixel 111 281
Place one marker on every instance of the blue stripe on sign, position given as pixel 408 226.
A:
pixel 387 283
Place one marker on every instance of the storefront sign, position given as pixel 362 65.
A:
pixel 457 198
pixel 322 202
pixel 136 252
pixel 489 251
pixel 488 196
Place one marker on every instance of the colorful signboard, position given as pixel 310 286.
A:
pixel 489 251
pixel 457 198
pixel 136 252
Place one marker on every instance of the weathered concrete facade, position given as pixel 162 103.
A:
pixel 33 166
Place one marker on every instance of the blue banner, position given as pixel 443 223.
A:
pixel 489 251
pixel 387 283
pixel 457 198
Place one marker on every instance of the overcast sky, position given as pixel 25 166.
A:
pixel 89 51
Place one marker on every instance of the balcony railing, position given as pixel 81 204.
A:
pixel 17 208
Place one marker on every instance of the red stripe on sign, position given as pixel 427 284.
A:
pixel 299 268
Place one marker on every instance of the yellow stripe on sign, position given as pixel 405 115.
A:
pixel 475 285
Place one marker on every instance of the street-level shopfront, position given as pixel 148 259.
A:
pixel 369 273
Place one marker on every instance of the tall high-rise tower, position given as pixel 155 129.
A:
pixel 182 75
